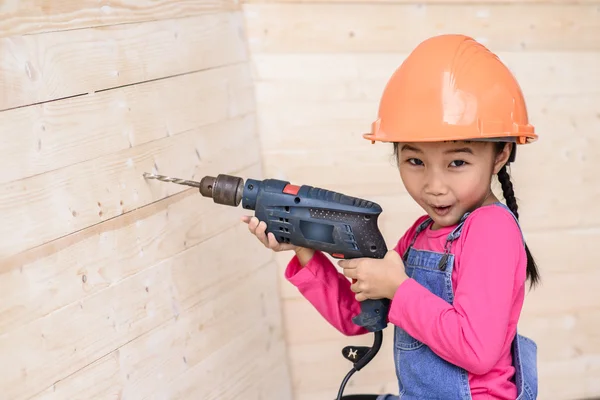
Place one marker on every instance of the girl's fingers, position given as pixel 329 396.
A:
pixel 354 287
pixel 273 244
pixel 260 233
pixel 276 246
pixel 246 218
pixel 252 224
pixel 255 226
pixel 258 229
pixel 360 297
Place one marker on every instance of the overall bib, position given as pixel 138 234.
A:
pixel 422 375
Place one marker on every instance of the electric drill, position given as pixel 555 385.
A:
pixel 343 226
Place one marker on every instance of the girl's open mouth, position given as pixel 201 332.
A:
pixel 441 210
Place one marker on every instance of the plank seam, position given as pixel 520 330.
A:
pixel 162 78
pixel 196 71
pixel 43 102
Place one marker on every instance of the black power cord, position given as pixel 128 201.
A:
pixel 362 361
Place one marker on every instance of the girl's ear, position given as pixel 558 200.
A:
pixel 502 157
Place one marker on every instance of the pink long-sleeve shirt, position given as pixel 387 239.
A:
pixel 476 331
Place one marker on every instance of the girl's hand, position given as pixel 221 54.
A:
pixel 258 228
pixel 375 278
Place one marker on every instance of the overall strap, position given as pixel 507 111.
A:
pixel 452 236
pixel 420 228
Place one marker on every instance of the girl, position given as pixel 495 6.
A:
pixel 456 278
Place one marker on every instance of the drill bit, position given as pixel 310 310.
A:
pixel 174 180
pixel 224 189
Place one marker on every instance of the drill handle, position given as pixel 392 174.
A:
pixel 373 314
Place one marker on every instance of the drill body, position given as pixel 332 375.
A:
pixel 344 227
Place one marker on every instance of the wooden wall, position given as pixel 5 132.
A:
pixel 111 285
pixel 320 68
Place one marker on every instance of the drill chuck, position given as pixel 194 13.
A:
pixel 224 189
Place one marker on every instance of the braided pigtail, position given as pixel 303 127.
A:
pixel 511 202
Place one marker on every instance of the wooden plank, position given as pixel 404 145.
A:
pixel 34 16
pixel 173 356
pixel 45 207
pixel 64 132
pixel 362 77
pixel 564 251
pixel 230 331
pixel 56 274
pixel 306 27
pixel 580 288
pixel 65 341
pixel 105 374
pixel 557 378
pixel 572 335
pixel 40 68
pixel 424 2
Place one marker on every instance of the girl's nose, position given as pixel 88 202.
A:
pixel 435 185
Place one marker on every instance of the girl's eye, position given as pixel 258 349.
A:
pixel 415 161
pixel 457 163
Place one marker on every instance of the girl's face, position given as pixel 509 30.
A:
pixel 448 179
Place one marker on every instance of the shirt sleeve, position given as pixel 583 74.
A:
pixel 327 290
pixel 470 332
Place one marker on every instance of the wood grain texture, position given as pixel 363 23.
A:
pixel 309 27
pixel 60 133
pixel 88 193
pixel 178 294
pixel 265 381
pixel 56 65
pixel 42 280
pixel 115 286
pixel 37 16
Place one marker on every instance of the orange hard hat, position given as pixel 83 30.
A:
pixel 451 87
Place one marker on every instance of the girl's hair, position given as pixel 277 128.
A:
pixel 511 202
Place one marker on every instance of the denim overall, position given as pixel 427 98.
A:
pixel 422 375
